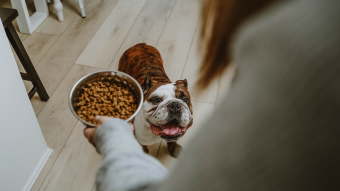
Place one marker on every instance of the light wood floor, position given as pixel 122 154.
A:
pixel 63 52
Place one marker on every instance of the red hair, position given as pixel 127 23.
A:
pixel 220 20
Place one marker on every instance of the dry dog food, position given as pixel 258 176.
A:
pixel 108 96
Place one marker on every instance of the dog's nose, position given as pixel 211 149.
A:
pixel 174 107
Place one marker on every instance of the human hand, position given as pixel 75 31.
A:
pixel 90 132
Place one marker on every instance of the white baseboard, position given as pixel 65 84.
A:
pixel 43 160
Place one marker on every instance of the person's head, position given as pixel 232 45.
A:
pixel 220 21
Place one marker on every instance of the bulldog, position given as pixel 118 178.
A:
pixel 167 109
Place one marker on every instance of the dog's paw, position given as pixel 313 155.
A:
pixel 174 149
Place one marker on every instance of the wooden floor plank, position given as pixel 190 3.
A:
pixel 56 120
pixel 111 34
pixel 58 60
pixel 175 42
pixel 148 27
pixel 53 26
pixel 38 44
pixel 76 166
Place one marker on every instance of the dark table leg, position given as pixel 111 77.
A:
pixel 32 75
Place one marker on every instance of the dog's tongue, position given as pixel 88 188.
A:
pixel 166 130
pixel 171 131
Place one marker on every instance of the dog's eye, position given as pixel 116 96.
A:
pixel 185 99
pixel 155 100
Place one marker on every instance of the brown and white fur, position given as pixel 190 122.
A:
pixel 167 109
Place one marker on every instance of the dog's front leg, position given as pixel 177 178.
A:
pixel 145 149
pixel 174 149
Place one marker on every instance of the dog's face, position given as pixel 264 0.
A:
pixel 168 111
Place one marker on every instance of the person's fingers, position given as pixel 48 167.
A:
pixel 89 133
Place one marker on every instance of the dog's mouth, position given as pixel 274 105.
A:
pixel 169 132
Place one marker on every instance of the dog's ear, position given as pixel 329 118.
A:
pixel 183 83
pixel 147 84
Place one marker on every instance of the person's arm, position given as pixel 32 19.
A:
pixel 125 166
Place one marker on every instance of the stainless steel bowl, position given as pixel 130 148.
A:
pixel 134 85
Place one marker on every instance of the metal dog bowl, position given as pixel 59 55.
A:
pixel 132 83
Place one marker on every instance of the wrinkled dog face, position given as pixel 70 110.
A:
pixel 168 110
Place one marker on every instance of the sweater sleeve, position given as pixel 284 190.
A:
pixel 125 166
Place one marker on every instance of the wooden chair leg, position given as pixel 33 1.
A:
pixel 32 75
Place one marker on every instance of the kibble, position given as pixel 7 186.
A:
pixel 107 96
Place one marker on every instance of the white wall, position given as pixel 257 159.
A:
pixel 23 150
